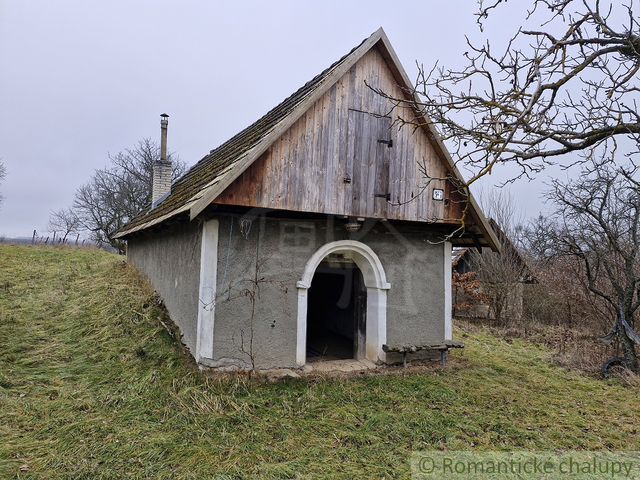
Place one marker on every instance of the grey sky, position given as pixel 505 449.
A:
pixel 82 79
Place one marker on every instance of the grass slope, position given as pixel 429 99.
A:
pixel 92 387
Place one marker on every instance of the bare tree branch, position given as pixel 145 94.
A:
pixel 114 195
pixel 567 85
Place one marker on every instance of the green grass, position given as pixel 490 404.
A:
pixel 91 386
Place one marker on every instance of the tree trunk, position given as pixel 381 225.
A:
pixel 628 346
pixel 629 351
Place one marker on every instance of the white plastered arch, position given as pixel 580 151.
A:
pixel 374 279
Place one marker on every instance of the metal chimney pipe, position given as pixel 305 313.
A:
pixel 164 124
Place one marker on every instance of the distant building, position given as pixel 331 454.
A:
pixel 489 284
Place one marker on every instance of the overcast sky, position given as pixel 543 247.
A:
pixel 82 79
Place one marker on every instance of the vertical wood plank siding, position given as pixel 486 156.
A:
pixel 305 169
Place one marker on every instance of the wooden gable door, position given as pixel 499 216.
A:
pixel 369 150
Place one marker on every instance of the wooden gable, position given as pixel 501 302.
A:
pixel 344 156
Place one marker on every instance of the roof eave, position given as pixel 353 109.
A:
pixel 156 221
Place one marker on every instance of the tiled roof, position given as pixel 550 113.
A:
pixel 457 253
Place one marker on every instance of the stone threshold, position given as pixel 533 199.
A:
pixel 326 366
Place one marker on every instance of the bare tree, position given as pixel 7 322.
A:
pixel 559 296
pixel 538 242
pixel 567 81
pixel 114 195
pixel 502 277
pixel 65 222
pixel 502 274
pixel 599 224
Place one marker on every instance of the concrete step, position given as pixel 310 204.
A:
pixel 340 366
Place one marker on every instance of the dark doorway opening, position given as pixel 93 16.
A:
pixel 336 311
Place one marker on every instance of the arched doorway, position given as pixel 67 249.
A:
pixel 336 311
pixel 350 283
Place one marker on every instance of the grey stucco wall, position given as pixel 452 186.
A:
pixel 171 261
pixel 268 249
pixel 259 265
pixel 256 312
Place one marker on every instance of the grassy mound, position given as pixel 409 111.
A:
pixel 91 386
